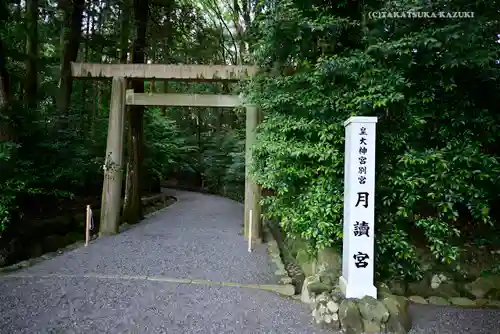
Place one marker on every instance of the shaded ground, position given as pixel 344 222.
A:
pixel 195 238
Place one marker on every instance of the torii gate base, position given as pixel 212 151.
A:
pixel 113 167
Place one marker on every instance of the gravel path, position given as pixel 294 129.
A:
pixel 430 319
pixel 76 305
pixel 197 237
pixel 99 289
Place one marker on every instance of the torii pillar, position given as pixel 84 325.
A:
pixel 252 190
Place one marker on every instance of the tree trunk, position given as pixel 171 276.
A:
pixel 249 39
pixel 5 130
pixel 124 31
pixel 132 210
pixel 239 31
pixel 7 134
pixel 97 27
pixel 4 76
pixel 71 41
pixel 167 45
pixel 88 121
pixel 124 48
pixel 163 109
pixel 31 83
pixel 152 57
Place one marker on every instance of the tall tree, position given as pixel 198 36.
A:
pixel 132 210
pixel 70 38
pixel 7 137
pixel 168 41
pixel 124 31
pixel 4 82
pixel 31 83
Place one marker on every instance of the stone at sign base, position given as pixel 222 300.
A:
pixel 354 290
pixel 389 314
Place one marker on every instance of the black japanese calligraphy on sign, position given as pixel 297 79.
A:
pixel 361 228
pixel 360 260
pixel 362 199
pixel 362 159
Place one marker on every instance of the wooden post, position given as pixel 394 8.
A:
pixel 252 190
pixel 87 226
pixel 113 166
pixel 250 232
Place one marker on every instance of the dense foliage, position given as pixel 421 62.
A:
pixel 432 83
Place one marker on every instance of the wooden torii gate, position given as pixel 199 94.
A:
pixel 120 96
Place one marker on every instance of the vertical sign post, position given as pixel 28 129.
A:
pixel 359 217
pixel 87 226
pixel 250 231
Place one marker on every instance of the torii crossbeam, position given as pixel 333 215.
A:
pixel 119 73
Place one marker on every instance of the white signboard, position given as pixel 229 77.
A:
pixel 359 219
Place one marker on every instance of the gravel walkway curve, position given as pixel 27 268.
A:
pixel 103 288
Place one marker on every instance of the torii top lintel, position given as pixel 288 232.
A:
pixel 163 71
